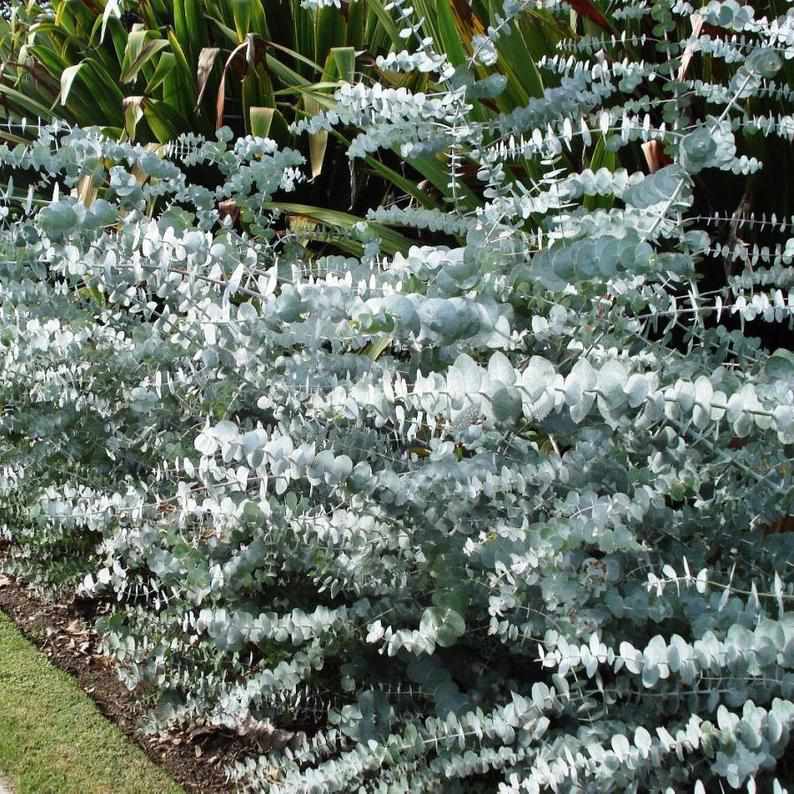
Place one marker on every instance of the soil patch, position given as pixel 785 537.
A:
pixel 65 636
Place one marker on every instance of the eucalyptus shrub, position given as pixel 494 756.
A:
pixel 506 511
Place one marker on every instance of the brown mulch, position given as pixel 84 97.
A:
pixel 63 634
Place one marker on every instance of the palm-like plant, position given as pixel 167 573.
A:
pixel 149 71
pixel 152 70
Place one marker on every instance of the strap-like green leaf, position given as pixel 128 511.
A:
pixel 99 84
pixel 386 20
pixel 26 103
pixel 141 50
pixel 190 27
pixel 602 158
pixel 161 120
pixel 391 241
pixel 340 64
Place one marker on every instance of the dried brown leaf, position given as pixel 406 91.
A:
pixel 655 156
pixel 697 26
pixel 206 61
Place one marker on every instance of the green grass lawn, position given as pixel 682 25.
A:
pixel 53 740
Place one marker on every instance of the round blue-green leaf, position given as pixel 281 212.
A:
pixel 443 625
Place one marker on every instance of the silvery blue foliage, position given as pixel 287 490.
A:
pixel 465 517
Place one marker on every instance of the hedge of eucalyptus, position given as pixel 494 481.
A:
pixel 503 511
